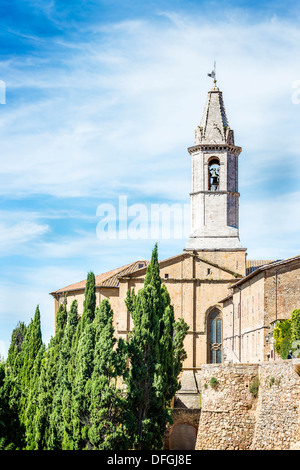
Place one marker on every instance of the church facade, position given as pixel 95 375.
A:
pixel 200 278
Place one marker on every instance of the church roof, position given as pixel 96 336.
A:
pixel 108 279
pixel 111 278
pixel 254 264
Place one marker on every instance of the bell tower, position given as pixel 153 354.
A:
pixel 214 196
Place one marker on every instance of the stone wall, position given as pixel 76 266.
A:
pixel 232 418
pixel 282 290
pixel 244 327
pixel 184 418
pixel 277 420
pixel 227 419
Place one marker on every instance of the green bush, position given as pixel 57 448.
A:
pixel 282 336
pixel 213 382
pixel 295 325
pixel 286 332
pixel 254 387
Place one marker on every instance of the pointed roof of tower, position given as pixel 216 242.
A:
pixel 214 127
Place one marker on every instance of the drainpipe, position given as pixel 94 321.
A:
pixel 240 325
pixel 276 308
pixel 276 281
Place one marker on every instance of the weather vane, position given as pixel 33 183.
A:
pixel 213 74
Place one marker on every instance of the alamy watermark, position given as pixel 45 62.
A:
pixel 141 221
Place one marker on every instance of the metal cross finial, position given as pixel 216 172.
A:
pixel 213 74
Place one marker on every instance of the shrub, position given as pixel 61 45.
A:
pixel 271 381
pixel 213 382
pixel 282 336
pixel 254 387
pixel 295 325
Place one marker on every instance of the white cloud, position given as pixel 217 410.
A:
pixel 125 109
pixel 12 236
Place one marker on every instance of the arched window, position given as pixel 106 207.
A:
pixel 214 174
pixel 214 339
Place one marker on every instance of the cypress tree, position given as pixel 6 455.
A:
pixel 5 433
pixel 156 353
pixel 107 401
pixel 12 390
pixel 33 401
pixel 30 349
pixel 46 383
pixel 81 390
pixel 60 422
pixel 89 306
pixel 82 365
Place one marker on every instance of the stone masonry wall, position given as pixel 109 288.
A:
pixel 227 419
pixel 277 420
pixel 232 418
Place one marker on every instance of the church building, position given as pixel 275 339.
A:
pixel 212 261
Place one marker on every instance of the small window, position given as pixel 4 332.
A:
pixel 141 265
pixel 208 270
pixel 166 276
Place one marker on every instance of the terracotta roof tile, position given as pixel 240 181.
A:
pixel 108 279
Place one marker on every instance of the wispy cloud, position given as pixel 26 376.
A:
pixel 13 237
pixel 135 95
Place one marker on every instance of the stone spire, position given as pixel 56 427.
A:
pixel 214 196
pixel 214 127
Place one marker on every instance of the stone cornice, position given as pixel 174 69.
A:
pixel 214 147
pixel 215 193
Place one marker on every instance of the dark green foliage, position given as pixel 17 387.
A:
pixel 282 336
pixel 254 387
pixel 156 354
pixel 287 335
pixel 60 422
pixel 107 403
pixel 295 325
pixel 4 408
pixel 89 305
pixel 86 389
pixel 26 342
pixel 47 376
pixel 17 339
pixel 214 382
pixel 33 401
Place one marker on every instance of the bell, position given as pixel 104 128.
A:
pixel 214 181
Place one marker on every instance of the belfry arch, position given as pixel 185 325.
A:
pixel 214 174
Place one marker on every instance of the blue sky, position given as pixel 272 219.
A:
pixel 102 99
